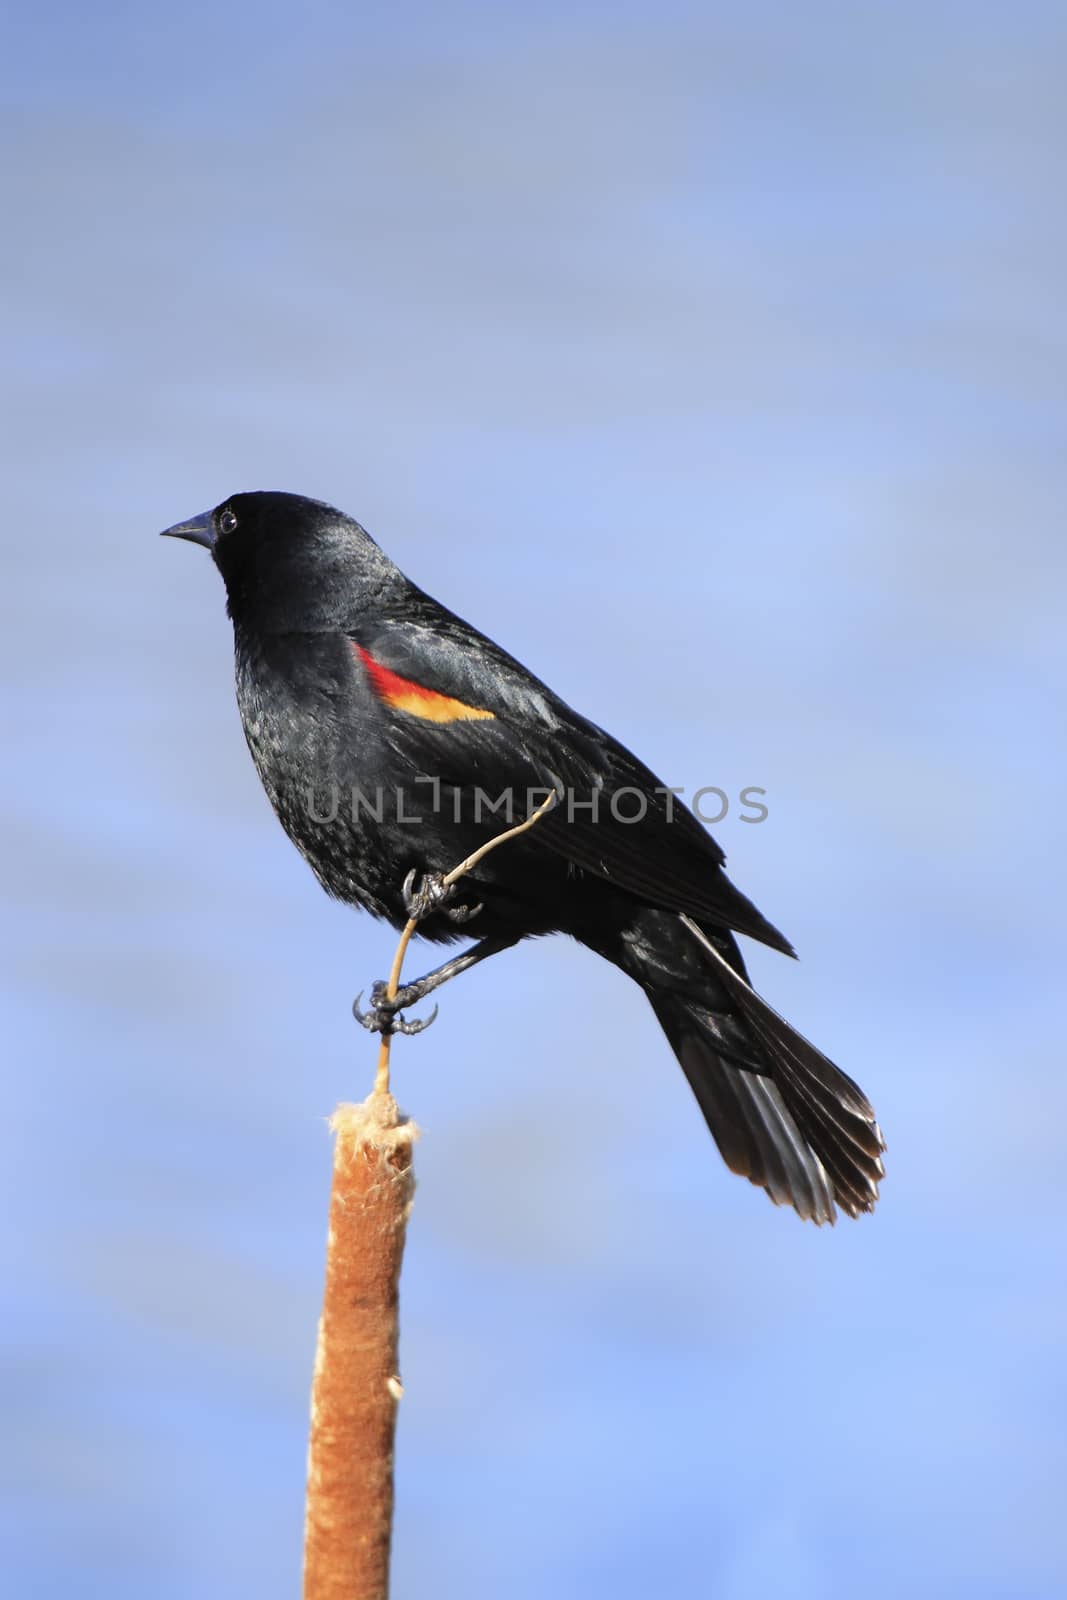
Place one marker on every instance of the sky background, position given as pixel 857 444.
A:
pixel 711 357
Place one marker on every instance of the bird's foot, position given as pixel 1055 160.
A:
pixel 430 894
pixel 384 1014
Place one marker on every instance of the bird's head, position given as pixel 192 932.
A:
pixel 288 563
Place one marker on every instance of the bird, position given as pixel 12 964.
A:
pixel 393 739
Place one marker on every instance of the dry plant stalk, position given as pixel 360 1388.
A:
pixel 356 1386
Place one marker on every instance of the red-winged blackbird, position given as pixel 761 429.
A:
pixel 392 739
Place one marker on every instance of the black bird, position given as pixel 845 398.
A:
pixel 393 738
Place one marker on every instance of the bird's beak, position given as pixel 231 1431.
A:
pixel 198 530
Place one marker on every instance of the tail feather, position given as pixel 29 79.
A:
pixel 831 1110
pixel 848 1146
pixel 796 1125
pixel 751 1123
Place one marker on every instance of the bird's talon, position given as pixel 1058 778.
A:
pixel 462 913
pixel 371 1020
pixel 384 1015
pixel 424 895
pixel 416 1025
pixel 433 894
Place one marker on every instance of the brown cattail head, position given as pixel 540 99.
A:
pixel 356 1385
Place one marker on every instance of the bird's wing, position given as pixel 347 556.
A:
pixel 466 712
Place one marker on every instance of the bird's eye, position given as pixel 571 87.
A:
pixel 227 520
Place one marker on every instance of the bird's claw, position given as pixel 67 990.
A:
pixel 433 894
pixel 417 1024
pixel 423 897
pixel 384 1014
pixel 461 914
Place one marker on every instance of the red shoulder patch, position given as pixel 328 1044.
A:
pixel 403 694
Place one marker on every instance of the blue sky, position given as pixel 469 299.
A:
pixel 711 358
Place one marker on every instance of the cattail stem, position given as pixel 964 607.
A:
pixel 356 1385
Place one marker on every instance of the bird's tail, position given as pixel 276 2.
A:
pixel 781 1113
